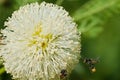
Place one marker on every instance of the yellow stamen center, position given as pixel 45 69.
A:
pixel 39 39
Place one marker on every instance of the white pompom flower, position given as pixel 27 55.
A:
pixel 39 42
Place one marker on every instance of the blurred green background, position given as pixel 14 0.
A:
pixel 99 23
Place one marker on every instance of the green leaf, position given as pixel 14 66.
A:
pixel 94 14
pixel 94 7
pixel 2 70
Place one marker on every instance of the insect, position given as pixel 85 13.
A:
pixel 63 73
pixel 91 63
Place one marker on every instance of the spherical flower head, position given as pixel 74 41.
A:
pixel 39 42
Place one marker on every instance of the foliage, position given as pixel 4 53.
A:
pixel 93 15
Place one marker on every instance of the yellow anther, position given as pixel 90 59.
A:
pixel 44 45
pixel 32 42
pixel 48 36
pixel 37 30
pixel 43 39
